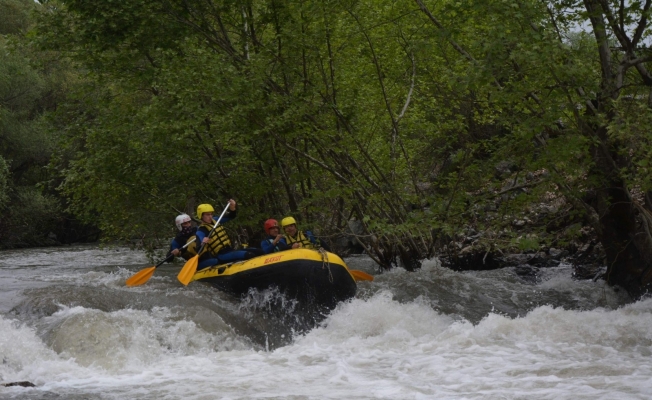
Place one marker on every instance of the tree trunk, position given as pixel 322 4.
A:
pixel 624 226
pixel 625 236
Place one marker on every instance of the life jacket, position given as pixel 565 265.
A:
pixel 218 239
pixel 191 250
pixel 300 238
pixel 271 239
pixel 184 237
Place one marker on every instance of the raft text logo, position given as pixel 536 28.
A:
pixel 272 259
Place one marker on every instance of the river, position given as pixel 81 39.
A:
pixel 69 325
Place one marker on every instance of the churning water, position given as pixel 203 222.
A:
pixel 69 325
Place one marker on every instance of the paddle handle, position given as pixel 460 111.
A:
pixel 171 256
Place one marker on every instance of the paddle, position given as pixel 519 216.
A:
pixel 190 267
pixel 143 275
pixel 361 275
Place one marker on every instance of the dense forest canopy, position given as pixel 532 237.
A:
pixel 32 83
pixel 408 121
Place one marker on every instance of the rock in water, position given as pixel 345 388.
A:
pixel 22 383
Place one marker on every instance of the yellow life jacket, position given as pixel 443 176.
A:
pixel 218 239
pixel 300 238
pixel 191 250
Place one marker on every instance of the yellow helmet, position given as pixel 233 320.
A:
pixel 202 208
pixel 287 221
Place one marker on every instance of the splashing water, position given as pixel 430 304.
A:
pixel 75 330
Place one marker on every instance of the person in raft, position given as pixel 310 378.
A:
pixel 186 233
pixel 295 238
pixel 217 247
pixel 274 241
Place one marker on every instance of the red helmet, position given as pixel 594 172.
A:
pixel 269 224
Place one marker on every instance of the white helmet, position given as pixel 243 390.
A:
pixel 181 219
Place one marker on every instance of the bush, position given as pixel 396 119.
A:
pixel 29 219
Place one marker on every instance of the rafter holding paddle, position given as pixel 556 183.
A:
pixel 190 267
pixel 143 275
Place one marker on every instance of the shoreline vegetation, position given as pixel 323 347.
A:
pixel 487 133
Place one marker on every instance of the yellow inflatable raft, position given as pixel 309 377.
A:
pixel 308 275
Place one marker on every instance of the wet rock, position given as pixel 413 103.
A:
pixel 589 253
pixel 21 383
pixel 543 260
pixel 557 254
pixel 539 259
pixel 356 227
pixel 589 271
pixel 472 259
pixel 347 243
pixel 526 270
pixel 511 260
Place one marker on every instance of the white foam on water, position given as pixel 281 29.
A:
pixel 72 257
pixel 373 348
pixel 26 357
pixel 91 350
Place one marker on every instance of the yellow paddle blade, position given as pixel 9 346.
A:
pixel 141 276
pixel 188 270
pixel 361 275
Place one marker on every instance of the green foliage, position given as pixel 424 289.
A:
pixel 32 84
pixel 330 111
pixel 22 138
pixel 15 16
pixel 31 219
pixel 528 243
pixel 630 128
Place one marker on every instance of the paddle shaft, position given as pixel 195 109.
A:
pixel 171 256
pixel 143 275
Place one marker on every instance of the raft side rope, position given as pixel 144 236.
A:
pixel 325 263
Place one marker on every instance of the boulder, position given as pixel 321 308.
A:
pixel 21 383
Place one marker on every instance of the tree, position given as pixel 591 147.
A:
pixel 541 72
pixel 393 114
pixel 31 85
pixel 249 99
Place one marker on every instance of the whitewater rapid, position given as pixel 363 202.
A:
pixel 71 327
